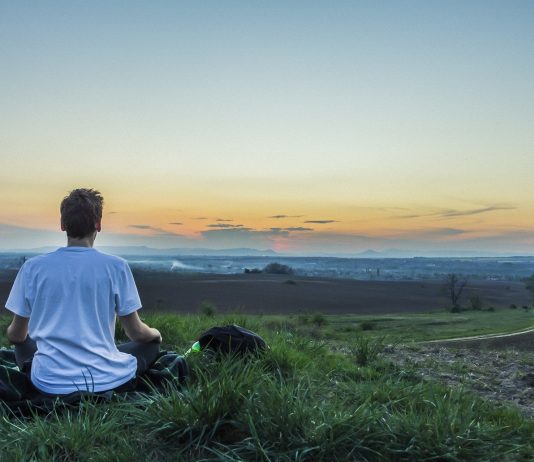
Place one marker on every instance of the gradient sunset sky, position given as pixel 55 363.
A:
pixel 307 127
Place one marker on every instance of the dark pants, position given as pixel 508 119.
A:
pixel 146 354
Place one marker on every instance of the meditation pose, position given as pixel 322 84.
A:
pixel 65 305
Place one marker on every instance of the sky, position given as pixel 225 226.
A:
pixel 306 127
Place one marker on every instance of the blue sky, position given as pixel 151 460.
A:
pixel 357 113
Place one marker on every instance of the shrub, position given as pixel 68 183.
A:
pixel 513 306
pixel 525 307
pixel 290 282
pixel 365 350
pixel 367 325
pixel 318 319
pixel 278 268
pixel 207 308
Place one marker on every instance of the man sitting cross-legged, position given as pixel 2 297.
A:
pixel 65 305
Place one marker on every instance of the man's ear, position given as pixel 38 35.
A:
pixel 62 226
pixel 98 226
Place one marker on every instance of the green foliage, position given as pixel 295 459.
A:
pixel 278 268
pixel 365 350
pixel 367 325
pixel 318 319
pixel 4 322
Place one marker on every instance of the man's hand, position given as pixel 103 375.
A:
pixel 138 331
pixel 18 329
pixel 157 335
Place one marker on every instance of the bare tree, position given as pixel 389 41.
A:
pixel 529 284
pixel 455 287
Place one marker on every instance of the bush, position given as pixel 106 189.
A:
pixel 318 319
pixel 290 282
pixel 366 350
pixel 277 268
pixel 513 306
pixel 367 325
pixel 208 309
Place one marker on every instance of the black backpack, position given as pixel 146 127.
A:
pixel 232 339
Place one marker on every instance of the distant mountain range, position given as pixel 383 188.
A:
pixel 249 252
pixel 398 253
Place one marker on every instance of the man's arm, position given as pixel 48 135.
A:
pixel 137 330
pixel 18 329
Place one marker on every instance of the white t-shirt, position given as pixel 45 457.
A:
pixel 72 297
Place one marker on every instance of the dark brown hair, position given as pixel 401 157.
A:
pixel 80 210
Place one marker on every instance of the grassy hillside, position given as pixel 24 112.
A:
pixel 301 401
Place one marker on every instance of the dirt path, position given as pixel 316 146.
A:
pixel 499 366
pixel 503 376
pixel 527 330
pixel 519 340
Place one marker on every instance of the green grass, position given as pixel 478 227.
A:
pixel 421 327
pixel 319 394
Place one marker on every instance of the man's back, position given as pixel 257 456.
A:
pixel 71 297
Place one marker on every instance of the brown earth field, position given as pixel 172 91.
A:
pixel 284 294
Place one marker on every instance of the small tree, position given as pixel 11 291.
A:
pixel 455 287
pixel 476 302
pixel 278 268
pixel 529 284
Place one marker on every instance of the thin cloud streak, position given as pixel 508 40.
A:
pixel 224 225
pixel 245 231
pixel 158 231
pixel 436 233
pixel 285 216
pixel 292 228
pixel 452 213
pixel 460 213
pixel 321 222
